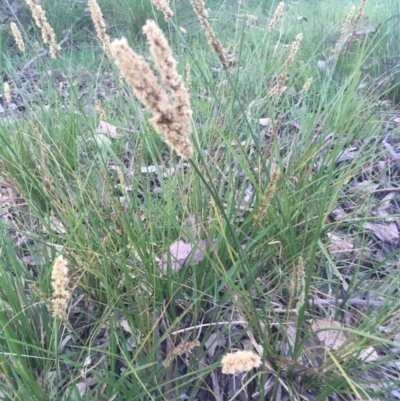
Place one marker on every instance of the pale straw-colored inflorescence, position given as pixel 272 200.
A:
pixel 48 34
pixel 100 26
pixel 360 13
pixel 179 350
pixel 213 41
pixel 241 361
pixel 17 36
pixel 343 32
pixel 306 86
pixel 170 119
pixel 277 15
pixel 59 282
pixel 268 194
pixel 7 93
pixel 299 283
pixel 278 88
pixel 163 6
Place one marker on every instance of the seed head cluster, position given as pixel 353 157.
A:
pixel 100 26
pixel 345 27
pixel 59 281
pixel 170 119
pixel 48 34
pixel 213 41
pixel 17 37
pixel 163 6
pixel 278 88
pixel 241 361
pixel 306 86
pixel 277 16
pixel 360 13
pixel 179 350
pixel 7 93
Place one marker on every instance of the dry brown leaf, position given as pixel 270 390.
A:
pixel 338 213
pixel 214 340
pixel 106 128
pixel 363 186
pixel 387 233
pixel 339 246
pixel 125 325
pixel 385 202
pixel 335 339
pixel 265 121
pixel 182 254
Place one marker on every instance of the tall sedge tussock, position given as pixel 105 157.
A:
pixel 213 41
pixel 171 120
pixel 163 6
pixel 17 37
pixel 278 88
pixel 277 16
pixel 100 26
pixel 59 282
pixel 48 34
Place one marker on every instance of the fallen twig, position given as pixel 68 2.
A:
pixel 45 53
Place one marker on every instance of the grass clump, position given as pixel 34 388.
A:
pixel 247 252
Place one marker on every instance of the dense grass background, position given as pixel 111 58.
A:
pixel 113 206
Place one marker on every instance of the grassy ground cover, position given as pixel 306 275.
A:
pixel 262 264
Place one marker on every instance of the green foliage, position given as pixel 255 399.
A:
pixel 114 205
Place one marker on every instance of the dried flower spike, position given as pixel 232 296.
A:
pixel 163 6
pixel 7 93
pixel 241 361
pixel 299 283
pixel 215 44
pixel 179 350
pixel 100 26
pixel 277 16
pixel 48 34
pixel 172 120
pixel 278 88
pixel 59 281
pixel 306 86
pixel 101 110
pixel 345 27
pixel 269 192
pixel 18 37
pixel 360 13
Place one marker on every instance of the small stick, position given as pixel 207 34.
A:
pixel 45 53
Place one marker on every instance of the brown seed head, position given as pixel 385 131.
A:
pixel 163 6
pixel 48 34
pixel 18 37
pixel 100 26
pixel 343 32
pixel 306 86
pixel 172 120
pixel 278 88
pixel 213 41
pixel 7 93
pixel 277 16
